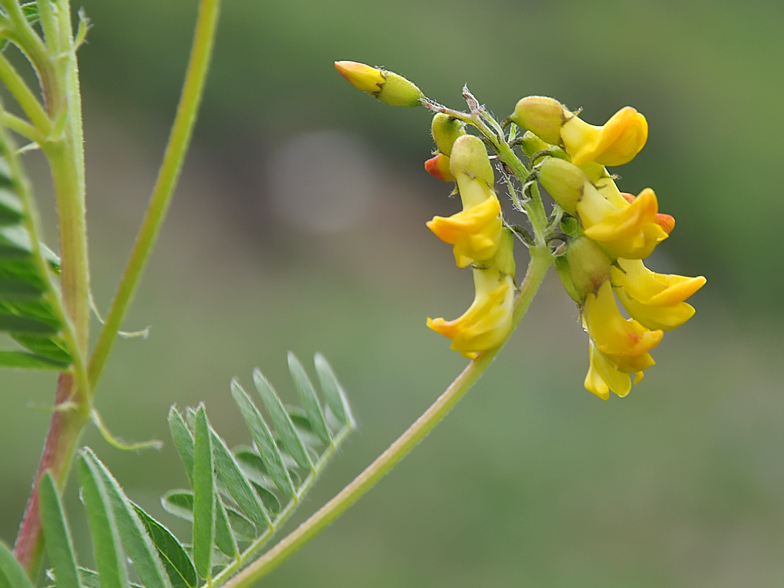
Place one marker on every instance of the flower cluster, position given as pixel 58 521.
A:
pixel 608 234
pixel 604 234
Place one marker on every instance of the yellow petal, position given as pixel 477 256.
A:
pixel 615 143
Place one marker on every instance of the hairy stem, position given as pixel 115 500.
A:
pixel 164 186
pixel 540 262
pixel 58 454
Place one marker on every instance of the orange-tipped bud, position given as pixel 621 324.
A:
pixel 438 167
pixel 387 86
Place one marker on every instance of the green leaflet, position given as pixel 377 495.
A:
pixel 12 574
pixel 138 545
pixel 309 400
pixel 176 560
pixel 203 495
pixel 56 534
pixel 263 439
pixel 109 556
pixel 333 393
pixel 280 418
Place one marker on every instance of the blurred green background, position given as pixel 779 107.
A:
pixel 299 224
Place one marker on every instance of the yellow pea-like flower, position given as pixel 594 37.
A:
pixel 614 143
pixel 654 300
pixel 624 343
pixel 488 321
pixel 631 231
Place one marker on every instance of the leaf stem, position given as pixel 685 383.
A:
pixel 164 186
pixel 24 96
pixel 537 268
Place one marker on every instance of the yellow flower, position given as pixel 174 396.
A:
pixel 630 231
pixel 476 231
pixel 614 143
pixel 622 343
pixel 656 301
pixel 488 321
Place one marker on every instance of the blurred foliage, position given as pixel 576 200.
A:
pixel 532 480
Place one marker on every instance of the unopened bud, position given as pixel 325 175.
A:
pixel 387 86
pixel 469 157
pixel 563 181
pixel 446 130
pixel 438 167
pixel 542 116
pixel 584 268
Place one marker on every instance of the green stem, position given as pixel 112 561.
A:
pixel 540 262
pixel 164 186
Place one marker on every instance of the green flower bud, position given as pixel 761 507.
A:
pixel 563 181
pixel 469 157
pixel 387 86
pixel 446 130
pixel 398 91
pixel 583 268
pixel 542 116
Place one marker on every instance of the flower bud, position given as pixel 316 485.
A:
pixel 446 130
pixel 387 86
pixel 583 268
pixel 563 181
pixel 469 158
pixel 438 167
pixel 542 116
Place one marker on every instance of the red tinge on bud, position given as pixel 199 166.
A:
pixel 665 221
pixel 438 167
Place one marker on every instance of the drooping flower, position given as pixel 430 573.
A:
pixel 488 321
pixel 654 300
pixel 624 344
